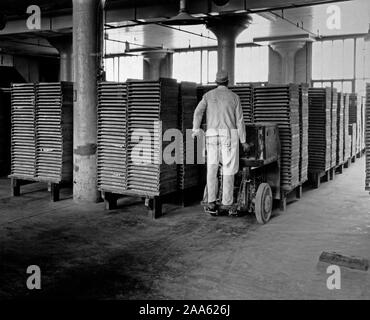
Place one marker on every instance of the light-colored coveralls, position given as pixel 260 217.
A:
pixel 225 127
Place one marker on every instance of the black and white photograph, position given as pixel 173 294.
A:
pixel 184 155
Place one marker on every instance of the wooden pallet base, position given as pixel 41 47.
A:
pixel 190 196
pixel 317 177
pixel 284 196
pixel 153 203
pixel 347 163
pixel 183 198
pixel 54 188
pixel 339 168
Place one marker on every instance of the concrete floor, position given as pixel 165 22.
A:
pixel 86 252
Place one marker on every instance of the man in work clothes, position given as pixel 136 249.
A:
pixel 225 127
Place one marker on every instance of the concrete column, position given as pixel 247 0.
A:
pixel 287 51
pixel 166 70
pixel 227 29
pixel 64 45
pixel 157 64
pixel 86 66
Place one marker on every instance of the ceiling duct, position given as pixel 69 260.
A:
pixel 183 18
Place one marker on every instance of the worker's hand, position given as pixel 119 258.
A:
pixel 246 147
pixel 196 133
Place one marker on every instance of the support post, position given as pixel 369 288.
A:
pixel 287 51
pixel 64 45
pixel 157 64
pixel 227 28
pixel 86 32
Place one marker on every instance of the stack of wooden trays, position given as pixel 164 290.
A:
pixel 245 94
pixel 152 110
pixel 353 108
pixel 346 136
pixel 334 121
pixel 280 104
pixel 54 132
pixel 361 125
pixel 353 135
pixel 367 135
pixel 23 141
pixel 5 124
pixel 112 137
pixel 303 127
pixel 319 132
pixel 188 176
pixel 340 129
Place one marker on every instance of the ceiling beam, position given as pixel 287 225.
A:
pixel 53 24
pixel 128 10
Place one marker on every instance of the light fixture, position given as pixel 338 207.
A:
pixel 183 18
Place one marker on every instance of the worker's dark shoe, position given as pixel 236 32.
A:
pixel 211 208
pixel 224 210
pixel 233 212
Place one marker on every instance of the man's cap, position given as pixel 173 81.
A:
pixel 222 77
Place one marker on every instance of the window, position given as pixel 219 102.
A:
pixel 333 59
pixel 187 66
pixel 198 66
pixel 362 65
pixel 119 69
pixel 343 64
pixel 252 64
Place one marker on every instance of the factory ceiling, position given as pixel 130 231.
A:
pixel 311 22
pixel 127 24
pixel 18 8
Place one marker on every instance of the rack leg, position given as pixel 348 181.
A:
pixel 340 169
pixel 15 187
pixel 283 203
pixel 316 181
pixel 299 192
pixel 55 192
pixel 110 201
pixel 155 207
pixel 326 176
pixel 331 174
